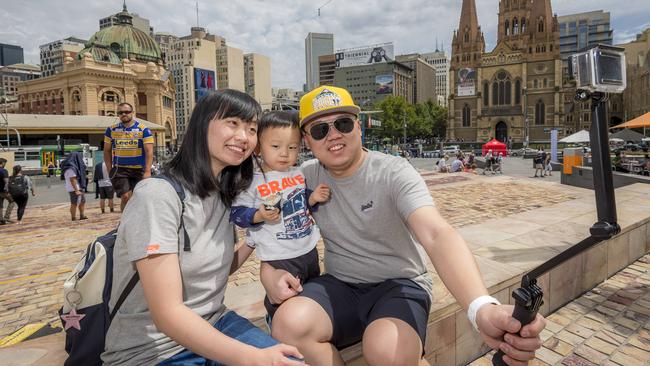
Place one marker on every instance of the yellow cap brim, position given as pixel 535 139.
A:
pixel 352 109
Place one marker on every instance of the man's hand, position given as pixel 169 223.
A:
pixel 495 321
pixel 320 195
pixel 279 284
pixel 263 214
pixel 277 356
pixel 77 192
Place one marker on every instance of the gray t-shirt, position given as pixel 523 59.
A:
pixel 364 224
pixel 149 226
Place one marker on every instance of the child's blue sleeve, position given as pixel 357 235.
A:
pixel 243 216
pixel 308 193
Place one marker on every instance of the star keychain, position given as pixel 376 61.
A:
pixel 72 319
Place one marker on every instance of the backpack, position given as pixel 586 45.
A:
pixel 18 186
pixel 85 313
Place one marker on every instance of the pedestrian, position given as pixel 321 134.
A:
pixel 377 226
pixel 548 168
pixel 489 162
pixel 275 208
pixel 538 162
pixel 4 193
pixel 104 186
pixel 442 164
pixel 73 171
pixel 457 165
pixel 499 163
pixel 19 187
pixel 128 153
pixel 176 315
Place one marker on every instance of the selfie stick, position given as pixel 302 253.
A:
pixel 528 298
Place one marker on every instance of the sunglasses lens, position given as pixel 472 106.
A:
pixel 344 125
pixel 319 131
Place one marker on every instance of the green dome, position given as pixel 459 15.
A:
pixel 124 41
pixel 101 54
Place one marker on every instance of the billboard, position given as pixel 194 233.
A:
pixel 384 84
pixel 466 82
pixel 365 55
pixel 204 82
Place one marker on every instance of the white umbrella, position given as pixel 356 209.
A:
pixel 616 139
pixel 576 138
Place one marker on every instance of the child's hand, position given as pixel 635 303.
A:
pixel 267 215
pixel 321 193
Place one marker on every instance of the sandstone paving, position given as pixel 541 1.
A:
pixel 584 334
pixel 38 255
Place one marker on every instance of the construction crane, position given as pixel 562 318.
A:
pixel 322 6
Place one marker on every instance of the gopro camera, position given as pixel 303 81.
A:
pixel 599 68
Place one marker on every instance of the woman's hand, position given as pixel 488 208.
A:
pixel 279 284
pixel 277 355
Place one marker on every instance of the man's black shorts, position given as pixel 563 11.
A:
pixel 125 179
pixel 353 306
pixel 106 193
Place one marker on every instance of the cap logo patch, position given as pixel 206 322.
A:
pixel 326 99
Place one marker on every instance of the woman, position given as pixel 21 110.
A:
pixel 175 315
pixel 19 187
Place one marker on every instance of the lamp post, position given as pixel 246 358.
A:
pixel 526 132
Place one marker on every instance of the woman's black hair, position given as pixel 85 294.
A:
pixel 192 166
pixel 17 169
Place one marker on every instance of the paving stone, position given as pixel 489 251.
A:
pixel 587 354
pixel 610 337
pixel 590 323
pixel 600 345
pixel 628 323
pixel 546 355
pixel 558 346
pixel 624 360
pixel 570 338
pixel 559 319
pixel 639 354
pixel 579 330
pixel 553 327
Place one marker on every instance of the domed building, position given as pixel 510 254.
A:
pixel 119 64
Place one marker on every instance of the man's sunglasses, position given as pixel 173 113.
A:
pixel 124 112
pixel 319 131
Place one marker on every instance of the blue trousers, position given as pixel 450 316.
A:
pixel 232 325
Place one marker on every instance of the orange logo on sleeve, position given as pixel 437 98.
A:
pixel 153 248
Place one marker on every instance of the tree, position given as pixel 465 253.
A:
pixel 396 111
pixel 434 118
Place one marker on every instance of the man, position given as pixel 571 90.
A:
pixel 128 153
pixel 377 289
pixel 4 193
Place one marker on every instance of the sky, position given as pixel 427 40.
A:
pixel 278 29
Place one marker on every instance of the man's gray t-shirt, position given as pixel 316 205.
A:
pixel 149 226
pixel 364 224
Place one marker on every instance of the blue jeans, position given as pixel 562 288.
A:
pixel 232 325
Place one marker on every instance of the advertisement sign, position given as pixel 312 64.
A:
pixel 384 84
pixel 204 82
pixel 466 82
pixel 365 55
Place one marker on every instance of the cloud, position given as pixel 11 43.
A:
pixel 278 28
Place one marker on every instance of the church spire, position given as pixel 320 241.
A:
pixel 468 19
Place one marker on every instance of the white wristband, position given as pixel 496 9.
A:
pixel 475 305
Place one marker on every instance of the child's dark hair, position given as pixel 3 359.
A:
pixel 276 119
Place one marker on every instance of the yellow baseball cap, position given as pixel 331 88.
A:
pixel 325 100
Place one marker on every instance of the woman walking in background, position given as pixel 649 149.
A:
pixel 19 187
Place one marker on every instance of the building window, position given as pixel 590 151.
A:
pixel 539 113
pixel 508 92
pixel 501 89
pixel 495 93
pixel 515 27
pixel 540 25
pixel 507 26
pixel 466 115
pixel 535 83
pixel 517 92
pixel 523 25
pixel 486 96
pixel 466 37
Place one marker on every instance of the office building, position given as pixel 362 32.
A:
pixel 230 68
pixel 192 63
pixel 316 45
pixel 11 54
pixel 424 77
pixel 54 53
pixel 369 84
pixel 326 68
pixel 440 61
pixel 257 79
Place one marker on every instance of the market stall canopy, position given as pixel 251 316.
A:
pixel 628 135
pixel 641 121
pixel 577 138
pixel 496 146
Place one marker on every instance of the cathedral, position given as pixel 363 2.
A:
pixel 514 92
